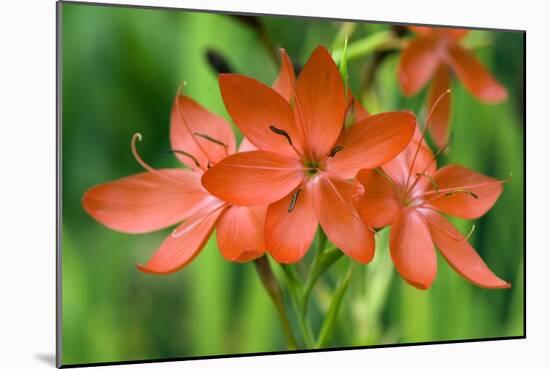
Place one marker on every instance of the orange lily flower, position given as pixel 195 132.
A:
pixel 305 157
pixel 410 193
pixel 432 55
pixel 157 199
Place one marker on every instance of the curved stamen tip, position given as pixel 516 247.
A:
pixel 181 86
pixel 137 136
pixel 464 238
pixel 470 233
pixel 432 179
pixel 281 132
pixel 334 150
pixel 185 153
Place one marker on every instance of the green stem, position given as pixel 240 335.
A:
pixel 332 314
pixel 366 46
pixel 274 290
pixel 294 289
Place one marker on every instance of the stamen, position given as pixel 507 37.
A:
pixel 147 167
pixel 424 130
pixel 206 137
pixel 447 144
pixel 281 132
pixel 432 179
pixel 334 150
pixel 293 200
pixel 461 190
pixel 185 153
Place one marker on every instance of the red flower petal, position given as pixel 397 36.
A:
pixel 240 233
pixel 421 30
pixel 412 249
pixel 289 234
pixel 464 205
pixel 190 127
pixel 417 64
pixel 461 255
pixel 246 145
pixel 184 244
pixel 372 142
pixel 475 76
pixel 255 108
pixel 335 208
pixel 147 201
pixel 379 204
pixel 452 34
pixel 284 84
pixel 439 121
pixel 320 102
pixel 254 177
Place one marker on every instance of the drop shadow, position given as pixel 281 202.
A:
pixel 46 358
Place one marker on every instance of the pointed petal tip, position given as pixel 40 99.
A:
pixel 144 269
pixel 423 286
pixel 248 256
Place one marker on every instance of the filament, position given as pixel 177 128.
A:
pixel 188 227
pixel 459 239
pixel 445 193
pixel 432 179
pixel 181 115
pixel 442 149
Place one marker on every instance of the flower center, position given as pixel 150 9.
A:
pixel 312 168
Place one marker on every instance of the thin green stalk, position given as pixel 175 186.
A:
pixel 332 314
pixel 274 290
pixel 364 46
pixel 320 264
pixel 345 32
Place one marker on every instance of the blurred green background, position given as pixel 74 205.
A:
pixel 120 71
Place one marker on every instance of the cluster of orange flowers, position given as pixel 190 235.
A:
pixel 312 156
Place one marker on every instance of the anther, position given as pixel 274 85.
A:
pixel 334 150
pixel 293 200
pixel 281 132
pixel 206 137
pixel 460 190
